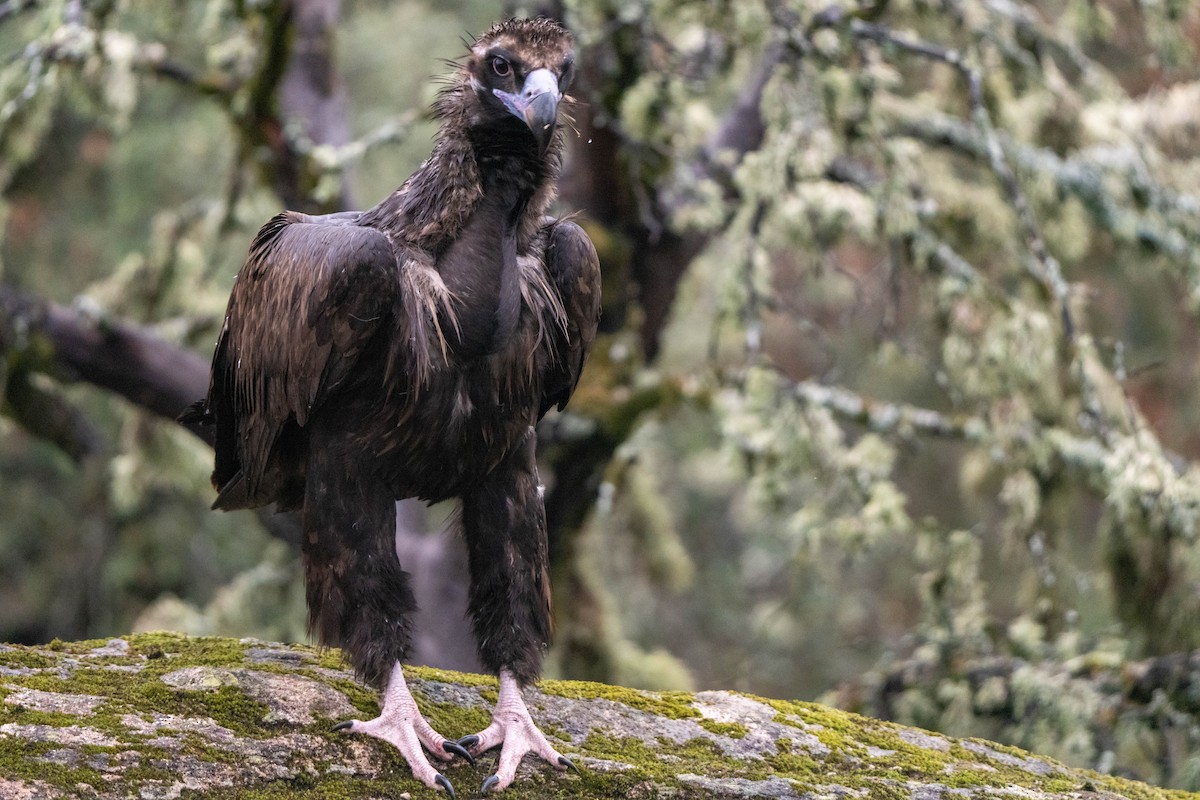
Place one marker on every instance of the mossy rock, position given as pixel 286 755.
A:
pixel 164 716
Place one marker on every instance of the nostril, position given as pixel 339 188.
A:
pixel 539 82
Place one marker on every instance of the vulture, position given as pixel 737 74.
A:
pixel 409 351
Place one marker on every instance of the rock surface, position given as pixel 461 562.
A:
pixel 164 716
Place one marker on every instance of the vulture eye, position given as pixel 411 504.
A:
pixel 501 67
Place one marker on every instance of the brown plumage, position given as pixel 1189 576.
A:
pixel 408 351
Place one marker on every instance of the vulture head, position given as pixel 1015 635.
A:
pixel 515 77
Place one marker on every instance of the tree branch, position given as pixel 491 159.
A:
pixel 1044 267
pixel 127 359
pixel 1165 232
pixel 890 418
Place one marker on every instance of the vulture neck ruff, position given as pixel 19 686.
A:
pixel 493 186
pixel 496 158
pixel 474 206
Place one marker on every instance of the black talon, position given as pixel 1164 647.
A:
pixel 444 782
pixel 491 781
pixel 458 750
pixel 468 741
pixel 566 762
pixel 341 726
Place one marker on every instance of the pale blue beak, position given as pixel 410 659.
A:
pixel 536 105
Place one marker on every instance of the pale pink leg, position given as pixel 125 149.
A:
pixel 400 724
pixel 512 728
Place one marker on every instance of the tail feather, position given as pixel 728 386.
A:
pixel 233 494
pixel 198 413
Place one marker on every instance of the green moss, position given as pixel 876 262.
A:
pixel 672 705
pixel 893 759
pixel 27 760
pixel 327 789
pixel 328 657
pixel 450 718
pixel 1063 785
pixel 81 681
pixel 364 699
pixel 26 716
pixel 796 767
pixel 16 657
pixel 126 692
pixel 211 651
pixel 555 732
pixel 965 778
pixel 466 781
pixel 813 714
pixel 734 730
pixel 450 676
pixel 228 706
pixel 997 747
pixel 666 759
pixel 1132 790
pixel 889 790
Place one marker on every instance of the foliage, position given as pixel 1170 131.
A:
pixel 926 396
pixel 944 326
pixel 127 193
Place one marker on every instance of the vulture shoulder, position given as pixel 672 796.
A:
pixel 574 268
pixel 312 295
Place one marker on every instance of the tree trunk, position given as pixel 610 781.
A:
pixel 312 96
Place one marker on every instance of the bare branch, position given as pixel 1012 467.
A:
pixel 126 359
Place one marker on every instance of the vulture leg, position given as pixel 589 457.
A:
pixel 400 724
pixel 513 730
pixel 504 523
pixel 359 598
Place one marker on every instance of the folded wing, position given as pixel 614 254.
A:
pixel 312 296
pixel 574 267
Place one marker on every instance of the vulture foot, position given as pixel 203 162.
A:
pixel 512 730
pixel 400 724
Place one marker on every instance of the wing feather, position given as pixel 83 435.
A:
pixel 313 293
pixel 574 266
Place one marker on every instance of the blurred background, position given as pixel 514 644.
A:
pixel 895 401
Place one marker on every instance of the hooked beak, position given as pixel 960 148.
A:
pixel 536 105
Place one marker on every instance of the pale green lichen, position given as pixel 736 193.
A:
pixel 672 705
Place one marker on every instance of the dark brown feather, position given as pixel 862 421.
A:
pixel 408 350
pixel 574 266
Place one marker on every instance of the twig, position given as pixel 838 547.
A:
pixel 151 59
pixel 755 303
pixel 894 418
pixel 1044 267
pixel 334 158
pixel 1082 177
